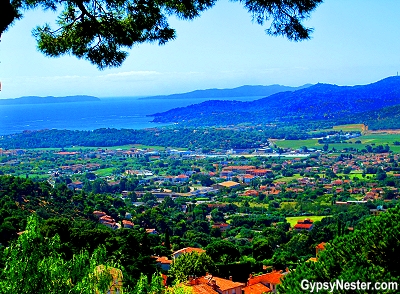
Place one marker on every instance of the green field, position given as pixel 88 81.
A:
pixel 370 139
pixel 292 220
pixel 288 179
pixel 104 172
pixel 349 128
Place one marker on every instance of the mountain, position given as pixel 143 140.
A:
pixel 317 102
pixel 384 118
pixel 243 91
pixel 48 99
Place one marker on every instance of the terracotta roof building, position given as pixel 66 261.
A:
pixel 227 184
pixel 187 250
pixel 305 224
pixel 271 280
pixel 209 284
pixel 258 288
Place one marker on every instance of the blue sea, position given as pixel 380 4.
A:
pixel 119 113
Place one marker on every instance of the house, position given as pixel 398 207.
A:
pixel 251 193
pixel 320 247
pixel 108 221
pixel 222 227
pixel 210 284
pixel 270 280
pixel 226 174
pixel 260 172
pixel 305 224
pixel 379 209
pixel 99 214
pixel 75 185
pixel 247 178
pixel 181 179
pixel 152 231
pixel 258 288
pixel 227 184
pixel 179 252
pixel 163 262
pixel 127 224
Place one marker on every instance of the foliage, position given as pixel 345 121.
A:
pixel 191 264
pixel 368 254
pixel 34 265
pixel 223 251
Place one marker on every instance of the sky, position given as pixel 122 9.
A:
pixel 354 42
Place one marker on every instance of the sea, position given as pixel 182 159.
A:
pixel 116 112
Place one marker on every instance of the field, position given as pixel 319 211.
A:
pixel 372 139
pixel 349 128
pixel 292 220
pixel 104 172
pixel 288 179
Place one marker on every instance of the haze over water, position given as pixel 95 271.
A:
pixel 128 113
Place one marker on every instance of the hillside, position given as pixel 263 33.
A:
pixel 243 91
pixel 384 118
pixel 317 102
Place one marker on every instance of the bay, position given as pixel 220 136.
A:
pixel 116 112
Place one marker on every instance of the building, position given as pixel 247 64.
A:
pixel 127 224
pixel 320 247
pixel 163 262
pixel 305 224
pixel 227 184
pixel 270 280
pixel 179 252
pixel 209 285
pixel 379 209
pixel 221 226
pixel 258 288
pixel 152 231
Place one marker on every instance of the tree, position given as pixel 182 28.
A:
pixel 34 265
pixel 368 254
pixel 380 174
pixel 191 264
pixel 262 249
pixel 99 30
pixel 223 251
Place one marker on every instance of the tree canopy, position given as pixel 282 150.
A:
pixel 368 254
pixel 100 30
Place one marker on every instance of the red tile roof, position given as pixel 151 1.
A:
pixel 222 284
pixel 270 278
pixel 303 226
pixel 163 260
pixel 189 250
pixel 258 288
pixel 203 289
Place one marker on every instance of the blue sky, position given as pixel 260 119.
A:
pixel 354 42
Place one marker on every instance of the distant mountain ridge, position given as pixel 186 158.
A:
pixel 243 91
pixel 317 102
pixel 48 99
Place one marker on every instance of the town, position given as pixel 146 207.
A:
pixel 256 214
